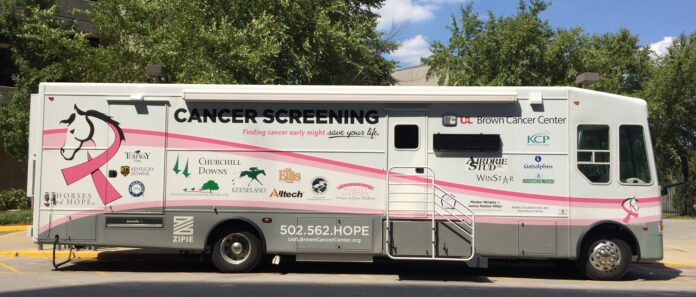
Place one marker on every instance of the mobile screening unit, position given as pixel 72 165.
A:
pixel 329 173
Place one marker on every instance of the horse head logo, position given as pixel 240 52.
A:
pixel 81 130
pixel 630 206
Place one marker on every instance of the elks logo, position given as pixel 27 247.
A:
pixel 81 130
pixel 289 176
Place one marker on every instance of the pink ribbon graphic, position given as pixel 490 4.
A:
pixel 629 213
pixel 106 191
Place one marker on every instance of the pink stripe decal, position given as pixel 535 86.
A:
pixel 178 204
pixel 187 141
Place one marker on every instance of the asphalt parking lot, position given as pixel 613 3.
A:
pixel 191 275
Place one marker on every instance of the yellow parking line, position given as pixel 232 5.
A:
pixel 11 234
pixel 14 228
pixel 10 268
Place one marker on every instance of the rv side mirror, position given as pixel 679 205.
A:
pixel 664 191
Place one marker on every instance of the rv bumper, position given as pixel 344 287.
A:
pixel 651 248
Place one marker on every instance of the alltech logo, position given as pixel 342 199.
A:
pixel 285 194
pixel 289 176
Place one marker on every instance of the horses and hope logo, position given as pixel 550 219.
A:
pixel 80 130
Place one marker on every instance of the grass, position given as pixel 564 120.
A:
pixel 678 217
pixel 15 217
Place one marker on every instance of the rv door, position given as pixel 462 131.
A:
pixel 136 170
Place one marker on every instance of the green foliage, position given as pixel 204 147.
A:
pixel 523 50
pixel 15 217
pixel 211 41
pixel 671 94
pixel 211 186
pixel 13 199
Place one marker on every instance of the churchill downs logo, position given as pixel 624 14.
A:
pixel 81 128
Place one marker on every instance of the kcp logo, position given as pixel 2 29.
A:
pixel 542 138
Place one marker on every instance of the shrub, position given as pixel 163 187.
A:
pixel 13 199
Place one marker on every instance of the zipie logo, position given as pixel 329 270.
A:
pixel 539 139
pixel 80 130
pixel 289 176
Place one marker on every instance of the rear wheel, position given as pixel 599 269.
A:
pixel 605 258
pixel 237 251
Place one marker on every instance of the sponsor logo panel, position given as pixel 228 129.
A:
pixel 355 191
pixel 289 176
pixel 486 164
pixel 137 156
pixel 539 139
pixel 182 230
pixel 136 189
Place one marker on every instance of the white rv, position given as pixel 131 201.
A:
pixel 347 173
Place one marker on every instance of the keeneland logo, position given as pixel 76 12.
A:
pixel 289 176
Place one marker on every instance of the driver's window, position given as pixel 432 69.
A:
pixel 593 152
pixel 633 167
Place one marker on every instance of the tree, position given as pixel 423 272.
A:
pixel 211 186
pixel 671 94
pixel 43 49
pixel 211 41
pixel 523 50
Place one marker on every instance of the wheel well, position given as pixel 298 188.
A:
pixel 234 224
pixel 609 229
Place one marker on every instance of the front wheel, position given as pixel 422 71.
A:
pixel 237 251
pixel 605 259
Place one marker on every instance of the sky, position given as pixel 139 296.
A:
pixel 417 23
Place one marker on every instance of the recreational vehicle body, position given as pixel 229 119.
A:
pixel 347 173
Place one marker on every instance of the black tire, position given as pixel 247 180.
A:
pixel 244 259
pixel 594 268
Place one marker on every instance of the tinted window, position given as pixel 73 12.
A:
pixel 593 152
pixel 466 142
pixel 633 167
pixel 406 136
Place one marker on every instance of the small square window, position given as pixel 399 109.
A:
pixel 406 136
pixel 584 156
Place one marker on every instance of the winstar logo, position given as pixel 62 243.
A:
pixel 285 194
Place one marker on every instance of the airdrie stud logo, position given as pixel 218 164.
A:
pixel 182 230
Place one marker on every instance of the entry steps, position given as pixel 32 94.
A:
pixel 412 195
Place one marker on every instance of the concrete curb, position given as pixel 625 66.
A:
pixel 10 228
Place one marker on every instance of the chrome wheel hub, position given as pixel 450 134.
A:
pixel 235 248
pixel 606 256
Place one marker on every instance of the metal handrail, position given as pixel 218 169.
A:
pixel 429 180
